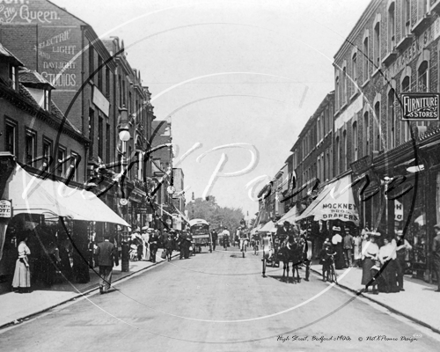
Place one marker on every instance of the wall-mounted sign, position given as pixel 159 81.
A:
pixel 5 209
pixel 420 106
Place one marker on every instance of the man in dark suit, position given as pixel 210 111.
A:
pixel 107 255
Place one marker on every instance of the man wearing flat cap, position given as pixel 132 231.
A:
pixel 436 254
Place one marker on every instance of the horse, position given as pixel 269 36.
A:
pixel 291 253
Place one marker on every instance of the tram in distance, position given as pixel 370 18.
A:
pixel 200 234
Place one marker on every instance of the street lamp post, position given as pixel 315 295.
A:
pixel 124 136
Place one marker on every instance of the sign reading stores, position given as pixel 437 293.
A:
pixel 420 106
pixel 5 209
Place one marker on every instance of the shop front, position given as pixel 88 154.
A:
pixel 58 219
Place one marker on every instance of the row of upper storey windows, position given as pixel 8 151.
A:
pixel 366 57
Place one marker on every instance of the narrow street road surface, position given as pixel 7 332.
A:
pixel 218 302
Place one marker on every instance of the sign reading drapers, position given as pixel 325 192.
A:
pixel 336 201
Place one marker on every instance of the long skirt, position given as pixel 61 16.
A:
pixel 22 275
pixel 389 275
pixel 366 271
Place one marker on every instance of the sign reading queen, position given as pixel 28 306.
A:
pixel 420 106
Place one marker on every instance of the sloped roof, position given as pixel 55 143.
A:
pixel 9 56
pixel 31 78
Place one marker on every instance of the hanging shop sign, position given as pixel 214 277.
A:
pixel 398 211
pixel 420 106
pixel 5 209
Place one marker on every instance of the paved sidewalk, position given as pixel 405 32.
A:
pixel 419 302
pixel 16 307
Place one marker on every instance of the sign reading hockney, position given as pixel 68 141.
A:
pixel 420 106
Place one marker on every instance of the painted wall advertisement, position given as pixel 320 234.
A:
pixel 58 44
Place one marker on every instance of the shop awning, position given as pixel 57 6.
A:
pixel 336 201
pixel 33 195
pixel 255 229
pixel 268 227
pixel 290 216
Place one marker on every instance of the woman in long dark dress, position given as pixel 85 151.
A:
pixel 337 245
pixel 369 255
pixel 387 257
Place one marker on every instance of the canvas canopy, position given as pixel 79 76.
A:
pixel 268 227
pixel 336 201
pixel 290 216
pixel 34 195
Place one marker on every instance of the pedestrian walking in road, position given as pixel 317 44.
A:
pixel 214 238
pixel 21 282
pixel 402 246
pixel 348 248
pixel 436 254
pixel 107 256
pixel 370 254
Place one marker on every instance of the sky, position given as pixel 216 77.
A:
pixel 238 79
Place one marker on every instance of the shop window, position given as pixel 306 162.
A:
pixel 31 148
pixel 11 137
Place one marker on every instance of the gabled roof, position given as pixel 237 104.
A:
pixel 5 53
pixel 33 79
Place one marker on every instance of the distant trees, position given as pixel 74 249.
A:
pixel 216 215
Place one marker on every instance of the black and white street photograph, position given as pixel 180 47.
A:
pixel 219 175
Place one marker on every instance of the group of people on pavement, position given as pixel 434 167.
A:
pixel 383 266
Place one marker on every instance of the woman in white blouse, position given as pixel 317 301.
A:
pixel 369 254
pixel 22 276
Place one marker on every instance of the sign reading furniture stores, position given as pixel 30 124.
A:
pixel 420 106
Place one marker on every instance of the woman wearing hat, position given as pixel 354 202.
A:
pixel 369 255
pixel 22 275
pixel 402 246
pixel 337 243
